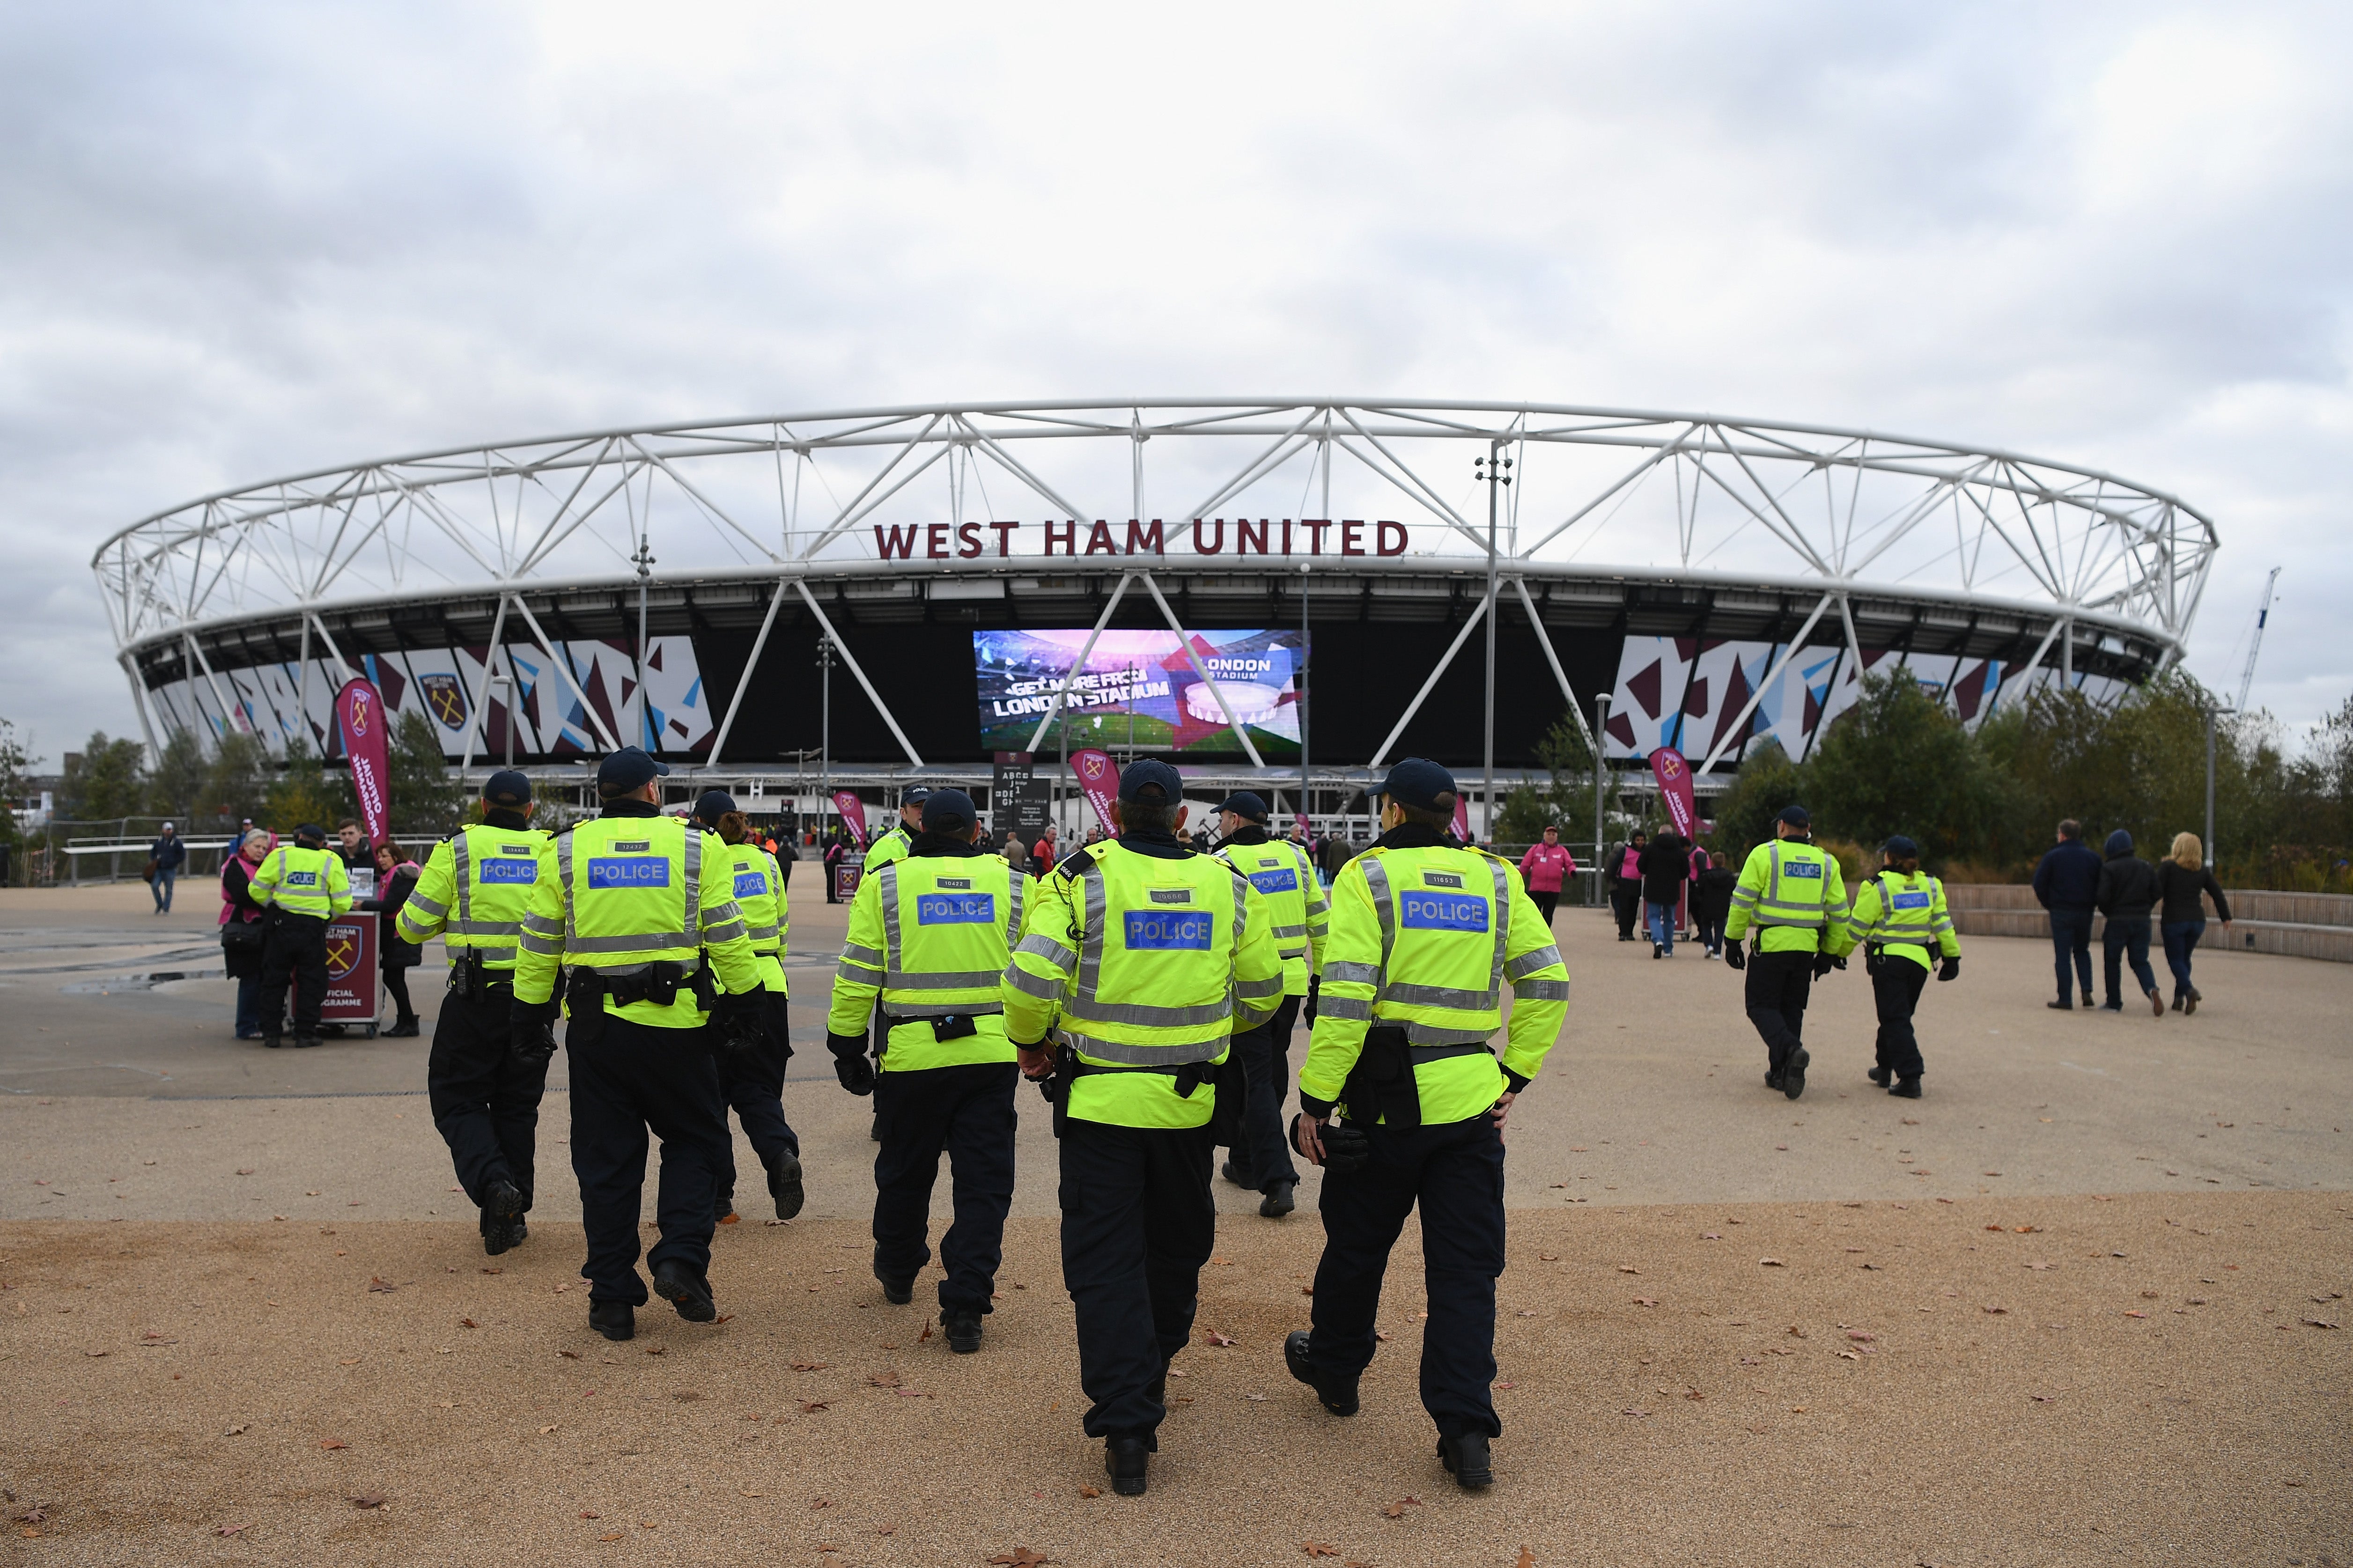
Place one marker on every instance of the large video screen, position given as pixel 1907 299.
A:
pixel 1141 689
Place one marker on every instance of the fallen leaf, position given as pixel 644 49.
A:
pixel 1848 1356
pixel 467 1324
pixel 1307 1289
pixel 1770 1263
pixel 2135 1314
pixel 1997 1311
pixel 546 1429
pixel 239 1430
pixel 1507 1386
pixel 1527 1559
pixel 230 1528
pixel 379 1286
pixel 2319 1323
pixel 332 1443
pixel 1020 1557
pixel 246 1171
pixel 1215 1337
pixel 910 1393
pixel 1319 1549
pixel 657 1349
pixel 610 1535
pixel 816 1503
pixel 1549 1257
pixel 370 1499
pixel 1639 1302
pixel 884 1380
pixel 1091 1491
pixel 97 1353
pixel 349 1360
pixel 926 1333
pixel 2026 1229
pixel 810 1366
pixel 811 1406
pixel 569 1355
pixel 585 1514
pixel 1859 1337
pixel 747 1491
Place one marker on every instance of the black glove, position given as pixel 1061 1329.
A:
pixel 1347 1150
pixel 849 1063
pixel 1870 959
pixel 736 1027
pixel 1736 955
pixel 1950 969
pixel 1315 993
pixel 1823 964
pixel 531 1029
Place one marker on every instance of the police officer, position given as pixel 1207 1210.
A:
pixel 1280 870
pixel 472 893
pixel 301 886
pixel 1899 917
pixel 895 844
pixel 1794 896
pixel 1149 957
pixel 642 909
pixel 1425 934
pixel 930 935
pixel 752 1079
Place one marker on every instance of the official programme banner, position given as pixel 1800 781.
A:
pixel 853 814
pixel 1675 787
pixel 1141 689
pixel 360 721
pixel 1099 781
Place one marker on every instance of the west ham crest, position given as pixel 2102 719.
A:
pixel 343 951
pixel 447 696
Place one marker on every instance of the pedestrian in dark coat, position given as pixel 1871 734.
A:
pixel 1624 866
pixel 1666 871
pixel 2183 882
pixel 2066 883
pixel 2127 894
pixel 241 929
pixel 1711 902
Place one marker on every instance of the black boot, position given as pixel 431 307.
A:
pixel 1126 1460
pixel 273 1042
pixel 1337 1394
pixel 2062 1005
pixel 1793 1077
pixel 1905 1089
pixel 2190 997
pixel 1772 1078
pixel 963 1330
pixel 898 1292
pixel 688 1291
pixel 1279 1200
pixel 1877 1075
pixel 784 1185
pixel 1465 1459
pixel 504 1200
pixel 615 1321
pixel 1235 1173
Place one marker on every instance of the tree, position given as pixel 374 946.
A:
pixel 13 765
pixel 236 783
pixel 304 793
pixel 1564 802
pixel 105 782
pixel 1767 781
pixel 1900 761
pixel 176 783
pixel 425 800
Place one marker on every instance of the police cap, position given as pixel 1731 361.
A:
pixel 915 796
pixel 311 832
pixel 1147 775
pixel 1795 816
pixel 947 809
pixel 628 769
pixel 1244 804
pixel 1901 848
pixel 508 787
pixel 712 804
pixel 1418 782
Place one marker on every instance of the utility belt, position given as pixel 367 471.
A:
pixel 587 989
pixel 1382 1086
pixel 1226 1078
pixel 946 1027
pixel 472 980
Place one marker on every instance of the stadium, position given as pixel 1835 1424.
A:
pixel 1283 593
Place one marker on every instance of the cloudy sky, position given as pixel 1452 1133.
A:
pixel 237 241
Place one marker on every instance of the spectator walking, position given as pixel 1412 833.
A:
pixel 2067 883
pixel 395 879
pixel 1700 861
pixel 784 854
pixel 164 859
pixel 241 929
pixel 1711 902
pixel 2183 882
pixel 2127 893
pixel 1665 866
pixel 1330 857
pixel 1017 853
pixel 1546 868
pixel 838 846
pixel 1043 854
pixel 1625 882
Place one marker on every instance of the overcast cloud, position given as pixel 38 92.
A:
pixel 237 241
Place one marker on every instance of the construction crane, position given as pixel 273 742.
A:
pixel 2255 643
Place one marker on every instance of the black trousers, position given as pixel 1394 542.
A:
pixel 2121 941
pixel 2071 940
pixel 485 1099
pixel 1265 1054
pixel 1137 1224
pixel 295 951
pixel 753 1083
pixel 1626 900
pixel 1779 984
pixel 967 1114
pixel 1455 1172
pixel 637 1077
pixel 395 980
pixel 1711 931
pixel 1895 991
pixel 1546 903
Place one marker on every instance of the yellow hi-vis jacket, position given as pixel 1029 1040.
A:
pixel 931 935
pixel 1147 962
pixel 1796 898
pixel 1279 870
pixel 303 882
pixel 620 893
pixel 1425 937
pixel 760 895
pixel 473 892
pixel 887 847
pixel 1903 914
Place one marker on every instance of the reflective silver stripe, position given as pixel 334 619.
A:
pixel 945 979
pixel 543 924
pixel 1344 971
pixel 1046 987
pixel 496 955
pixel 1013 884
pixel 1541 990
pixel 1376 877
pixel 1528 963
pixel 862 953
pixel 1091 939
pixel 486 928
pixel 463 874
pixel 694 886
pixel 759 933
pixel 563 871
pixel 1433 1034
pixel 887 880
pixel 1206 1050
pixel 1039 944
pixel 1287 930
pixel 1345 1007
pixel 726 930
pixel 665 943
pixel 898 1009
pixel 857 973
pixel 546 947
pixel 1501 913
pixel 1441 997
pixel 1291 952
pixel 1269 987
pixel 428 906
pixel 1145 1016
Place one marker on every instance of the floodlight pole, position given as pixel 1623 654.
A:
pixel 825 725
pixel 1601 736
pixel 1490 471
pixel 645 560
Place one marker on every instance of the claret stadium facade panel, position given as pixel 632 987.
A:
pixel 924 589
